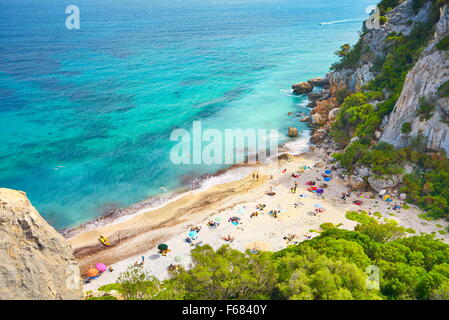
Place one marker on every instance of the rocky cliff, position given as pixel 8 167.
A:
pixel 422 83
pixel 35 261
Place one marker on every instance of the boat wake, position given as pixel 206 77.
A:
pixel 341 21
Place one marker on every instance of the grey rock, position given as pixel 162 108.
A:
pixel 378 184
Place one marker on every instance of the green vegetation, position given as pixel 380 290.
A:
pixel 387 5
pixel 350 56
pixel 429 187
pixel 406 128
pixel 418 4
pixel 443 90
pixel 425 109
pixel 102 298
pixel 361 217
pixel 383 20
pixel 334 265
pixel 341 95
pixel 383 159
pixel 377 214
pixel 327 225
pixel 443 44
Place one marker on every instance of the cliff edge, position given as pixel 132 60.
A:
pixel 36 263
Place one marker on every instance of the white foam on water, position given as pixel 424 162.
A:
pixel 341 21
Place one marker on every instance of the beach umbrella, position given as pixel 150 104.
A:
pixel 328 172
pixel 193 234
pixel 327 179
pixel 178 258
pixel 92 272
pixel 101 267
pixel 162 246
pixel 317 205
pixel 218 219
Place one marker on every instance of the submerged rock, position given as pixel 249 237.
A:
pixel 292 132
pixel 36 263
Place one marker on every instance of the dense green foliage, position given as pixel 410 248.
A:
pixel 361 217
pixel 387 5
pixel 443 44
pixel 406 128
pixel 443 90
pixel 338 264
pixel 350 56
pixel 429 187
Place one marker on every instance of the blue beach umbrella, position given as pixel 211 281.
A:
pixel 328 172
pixel 193 234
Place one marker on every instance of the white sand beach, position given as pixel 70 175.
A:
pixel 298 218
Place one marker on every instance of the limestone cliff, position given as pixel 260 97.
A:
pixel 35 260
pixel 422 83
pixel 401 19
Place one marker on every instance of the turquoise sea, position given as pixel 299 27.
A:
pixel 86 115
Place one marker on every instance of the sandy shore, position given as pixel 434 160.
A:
pixel 139 235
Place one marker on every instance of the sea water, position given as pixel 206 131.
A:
pixel 86 115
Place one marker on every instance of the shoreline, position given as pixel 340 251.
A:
pixel 170 224
pixel 301 143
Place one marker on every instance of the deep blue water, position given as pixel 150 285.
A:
pixel 86 115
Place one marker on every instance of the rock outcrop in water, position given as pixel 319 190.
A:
pixel 36 262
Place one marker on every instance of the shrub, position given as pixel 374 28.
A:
pixel 387 5
pixel 444 43
pixel 425 109
pixel 406 128
pixel 341 95
pixel 417 5
pixel 383 20
pixel 443 90
pixel 361 217
pixel 350 157
pixel 350 56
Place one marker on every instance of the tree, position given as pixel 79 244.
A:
pixel 226 274
pixel 137 284
pixel 381 232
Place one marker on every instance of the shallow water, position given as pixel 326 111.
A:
pixel 86 115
